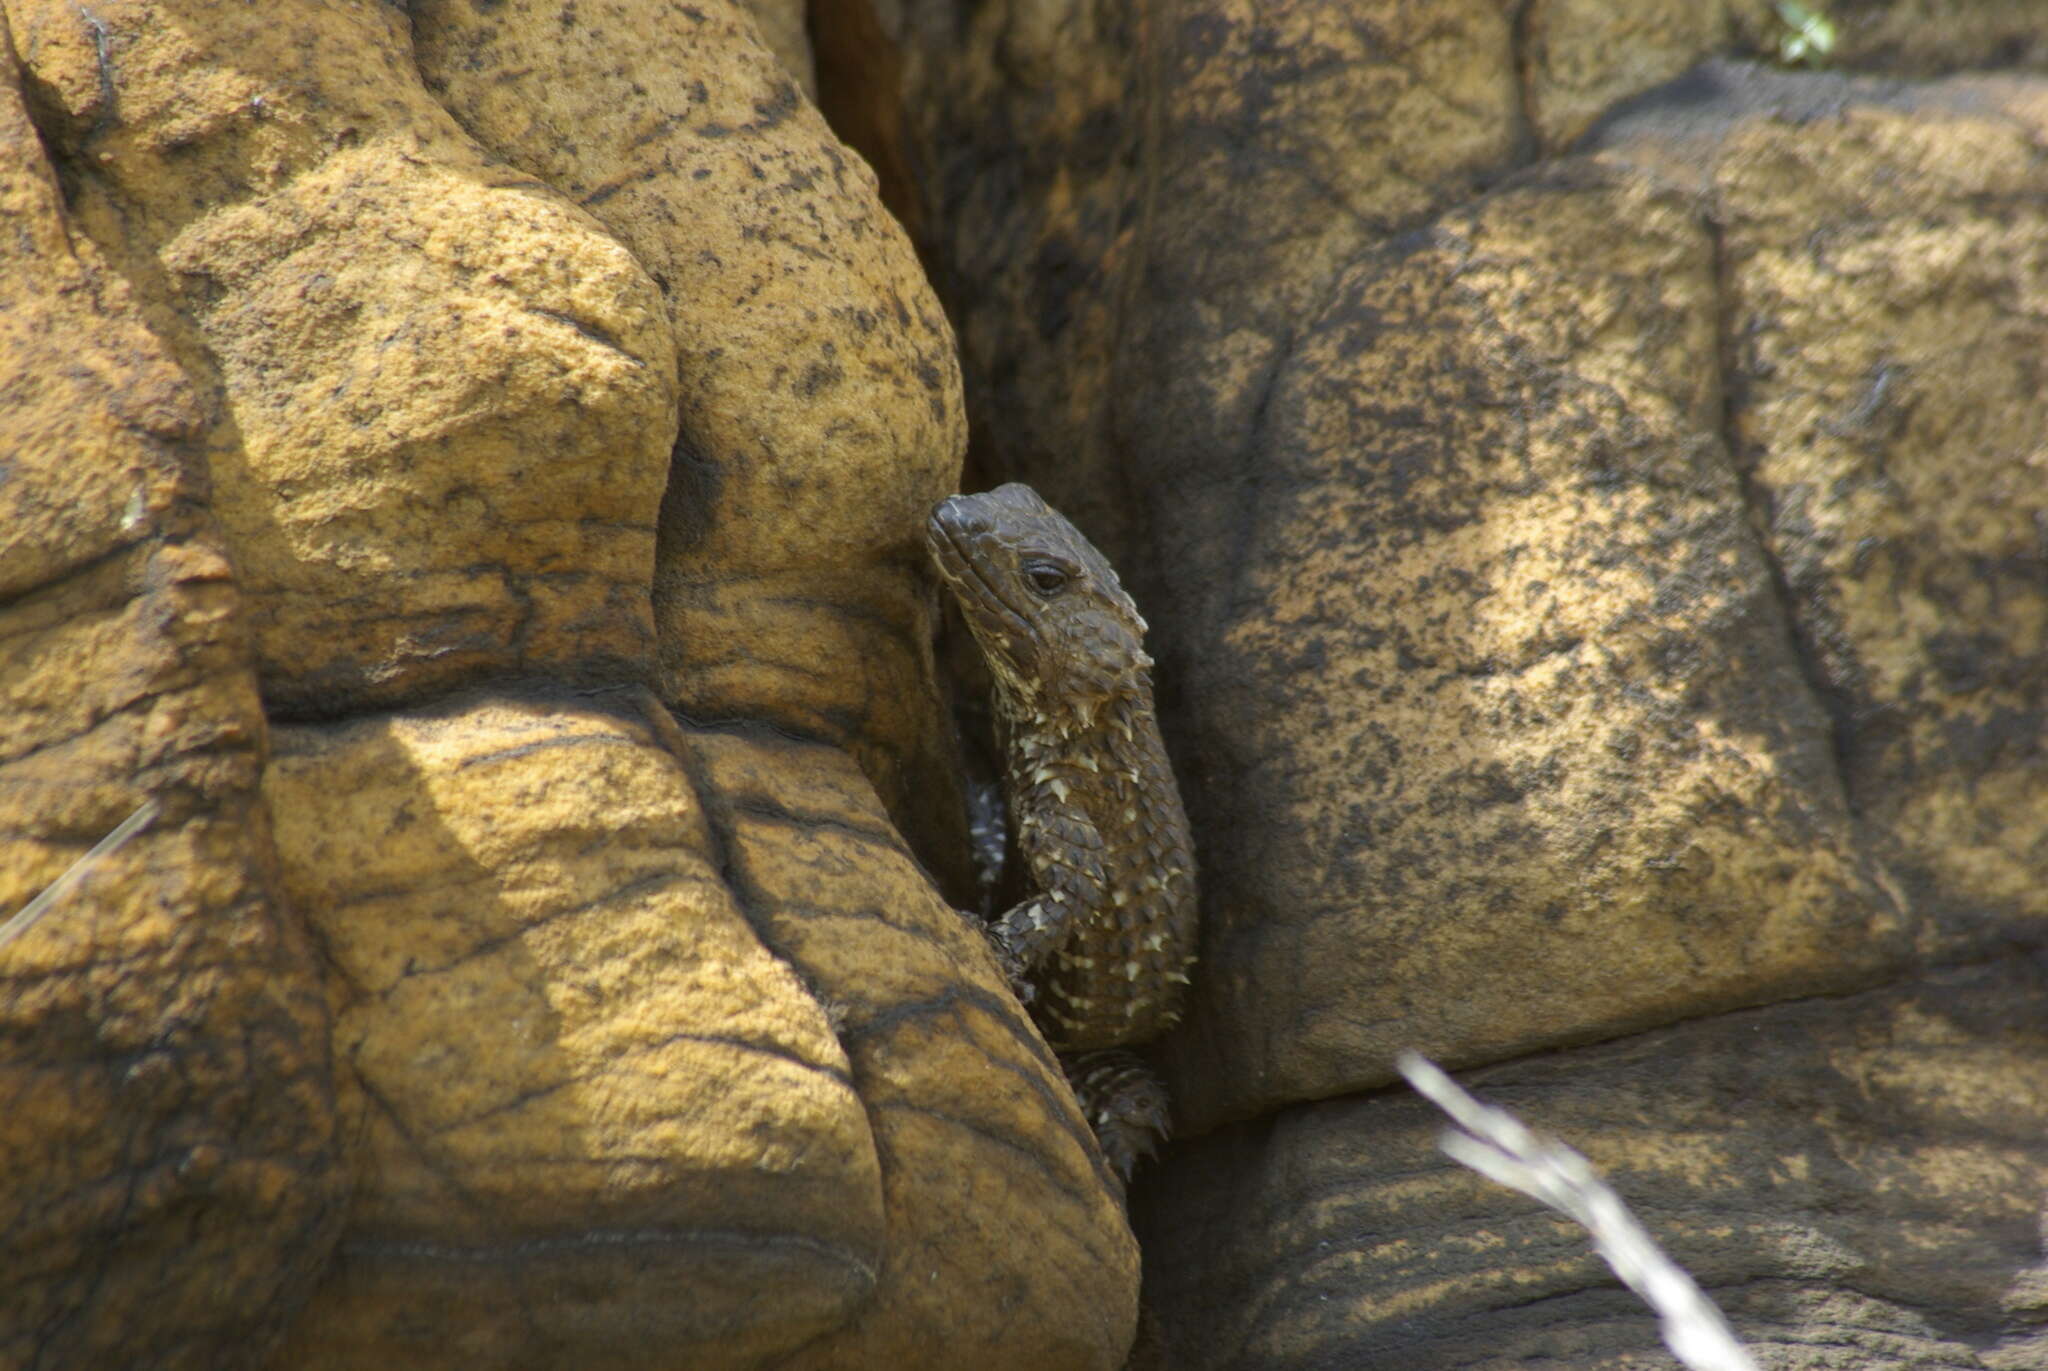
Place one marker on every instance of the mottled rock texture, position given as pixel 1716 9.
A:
pixel 170 1177
pixel 464 462
pixel 1871 1199
pixel 467 463
pixel 1587 486
pixel 661 1050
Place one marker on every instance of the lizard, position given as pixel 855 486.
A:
pixel 1101 948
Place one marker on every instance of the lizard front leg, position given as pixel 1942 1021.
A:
pixel 1063 852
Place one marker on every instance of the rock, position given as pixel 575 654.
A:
pixel 820 412
pixel 170 1178
pixel 416 363
pixel 1585 57
pixel 1581 493
pixel 1856 1182
pixel 1558 753
pixel 1898 476
pixel 416 391
pixel 990 1176
pixel 1468 633
pixel 785 31
pixel 659 1038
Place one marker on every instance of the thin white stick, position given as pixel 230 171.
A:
pixel 29 913
pixel 1498 1146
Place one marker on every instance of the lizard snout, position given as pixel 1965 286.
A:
pixel 961 516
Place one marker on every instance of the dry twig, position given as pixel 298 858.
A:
pixel 1500 1147
pixel 34 910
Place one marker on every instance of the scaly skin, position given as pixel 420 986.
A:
pixel 1106 942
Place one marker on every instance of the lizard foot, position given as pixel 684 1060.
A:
pixel 1125 1103
pixel 1015 969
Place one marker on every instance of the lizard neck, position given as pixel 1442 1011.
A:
pixel 1119 728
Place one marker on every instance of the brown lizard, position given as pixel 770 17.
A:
pixel 1103 947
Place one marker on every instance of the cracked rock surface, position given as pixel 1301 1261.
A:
pixel 466 462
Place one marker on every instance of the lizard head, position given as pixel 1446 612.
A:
pixel 1060 635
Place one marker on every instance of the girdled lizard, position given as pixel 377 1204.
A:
pixel 1103 948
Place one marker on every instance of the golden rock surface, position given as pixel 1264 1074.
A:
pixel 818 391
pixel 170 1175
pixel 655 1044
pixel 442 398
pixel 1570 700
pixel 1901 473
pixel 408 408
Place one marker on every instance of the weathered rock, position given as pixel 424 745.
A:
pixel 786 32
pixel 1857 1182
pixel 663 1052
pixel 1934 37
pixel 169 1176
pixel 1589 593
pixel 1560 755
pixel 1898 472
pixel 1079 242
pixel 421 363
pixel 1484 675
pixel 990 1176
pixel 819 394
pixel 655 1045
pixel 570 1063
pixel 1582 57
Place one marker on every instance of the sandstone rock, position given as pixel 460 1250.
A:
pixel 1899 472
pixel 169 1176
pixel 594 1111
pixel 663 1052
pixel 654 1044
pixel 1447 522
pixel 1857 1182
pixel 1933 37
pixel 1583 57
pixel 990 1176
pixel 820 412
pixel 1590 591
pixel 420 362
pixel 1558 754
pixel 786 32
pixel 1091 263
pixel 1589 594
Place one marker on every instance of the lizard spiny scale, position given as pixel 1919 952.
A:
pixel 1107 939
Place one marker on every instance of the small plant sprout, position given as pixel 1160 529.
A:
pixel 1500 1147
pixel 1810 35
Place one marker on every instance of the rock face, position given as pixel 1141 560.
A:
pixel 1586 486
pixel 463 463
pixel 466 464
pixel 1780 1154
pixel 170 1173
pixel 660 1039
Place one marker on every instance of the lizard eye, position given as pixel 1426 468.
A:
pixel 1046 578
